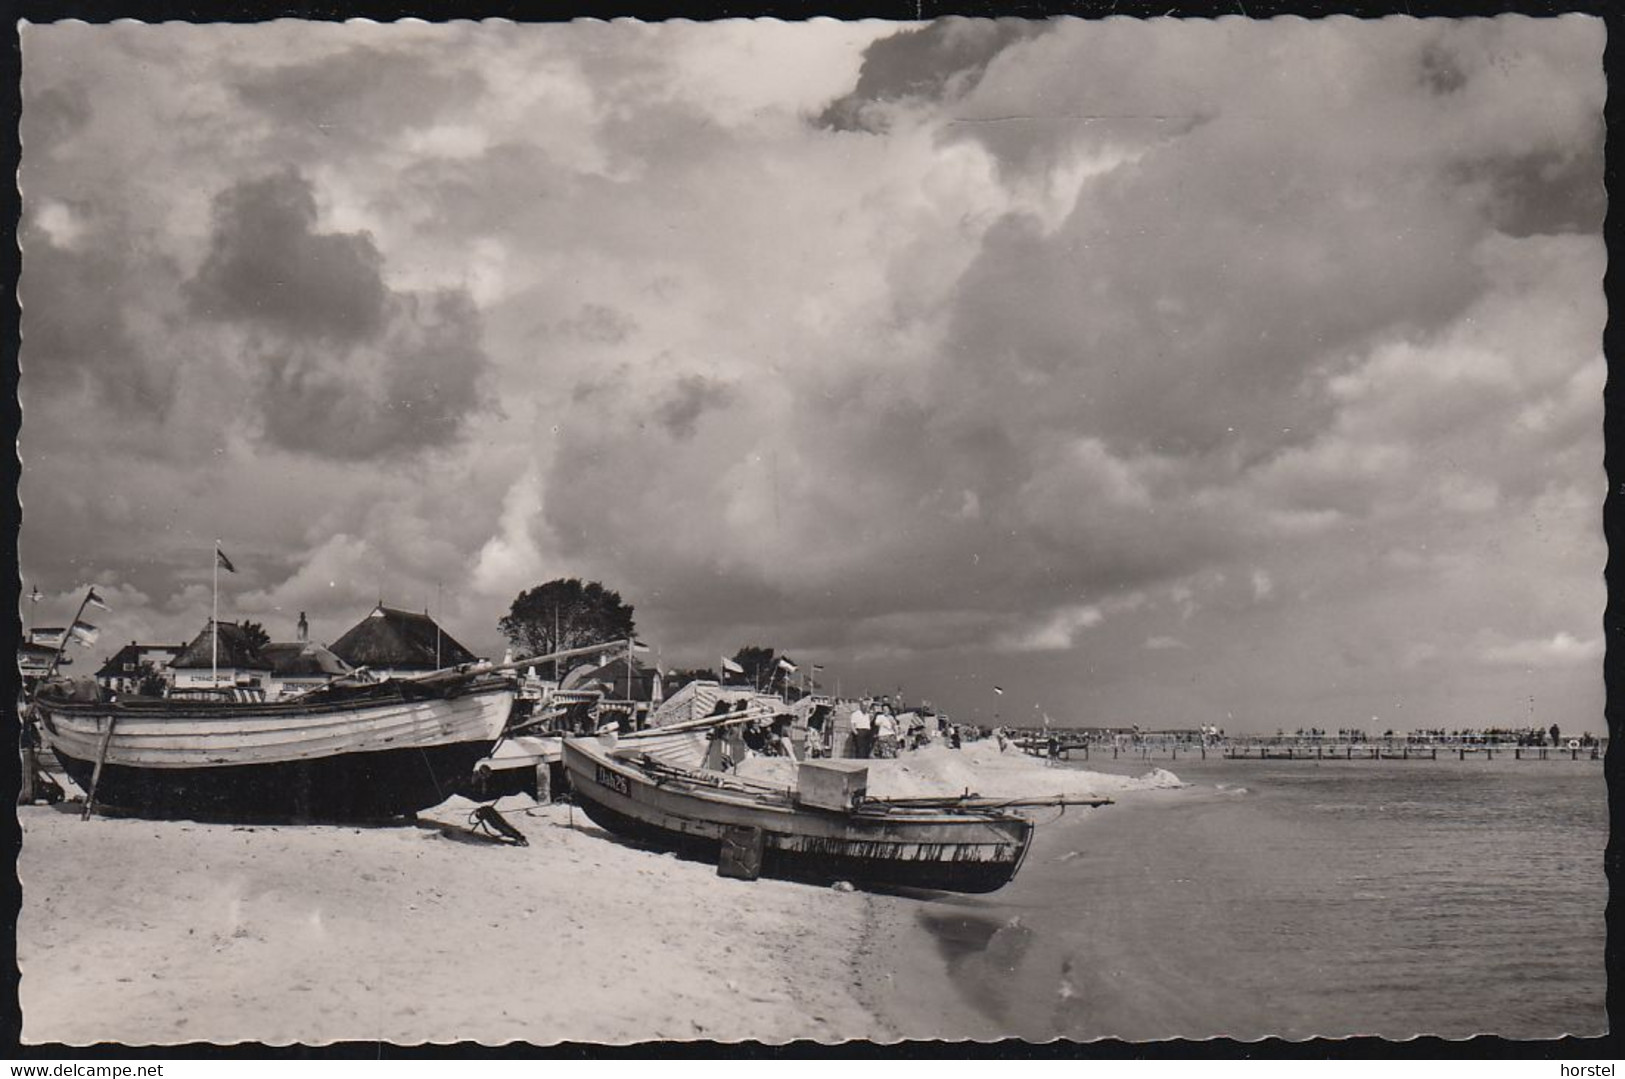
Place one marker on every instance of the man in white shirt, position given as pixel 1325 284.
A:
pixel 862 732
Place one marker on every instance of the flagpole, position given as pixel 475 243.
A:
pixel 214 624
pixel 63 643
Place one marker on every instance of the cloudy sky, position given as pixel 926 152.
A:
pixel 1160 372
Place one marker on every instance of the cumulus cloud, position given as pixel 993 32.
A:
pixel 1563 649
pixel 937 350
pixel 942 59
pixel 347 366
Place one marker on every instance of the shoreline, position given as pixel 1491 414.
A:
pixel 942 946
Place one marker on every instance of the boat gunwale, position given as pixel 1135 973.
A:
pixel 785 805
pixel 162 708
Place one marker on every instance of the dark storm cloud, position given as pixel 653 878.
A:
pixel 359 93
pixel 411 388
pixel 1441 72
pixel 600 324
pixel 692 397
pixel 349 368
pixel 268 266
pixel 54 115
pixel 945 57
pixel 78 303
pixel 1544 192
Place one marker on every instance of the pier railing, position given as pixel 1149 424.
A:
pixel 1075 749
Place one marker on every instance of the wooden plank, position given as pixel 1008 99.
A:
pixel 96 774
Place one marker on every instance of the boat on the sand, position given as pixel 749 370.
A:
pixel 342 752
pixel 824 830
pixel 345 750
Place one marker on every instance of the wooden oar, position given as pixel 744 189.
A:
pixel 974 801
pixel 472 670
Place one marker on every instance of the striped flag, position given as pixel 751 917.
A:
pixel 639 646
pixel 225 563
pixel 999 690
pixel 787 666
pixel 730 667
pixel 84 633
pixel 96 601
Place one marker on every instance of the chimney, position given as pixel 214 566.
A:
pixel 304 627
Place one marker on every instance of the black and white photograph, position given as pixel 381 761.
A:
pixel 616 532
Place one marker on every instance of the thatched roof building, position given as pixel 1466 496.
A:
pixel 395 640
pixel 236 650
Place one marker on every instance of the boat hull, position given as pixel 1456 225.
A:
pixel 349 786
pixel 943 851
pixel 383 755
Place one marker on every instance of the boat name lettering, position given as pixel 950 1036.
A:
pixel 614 781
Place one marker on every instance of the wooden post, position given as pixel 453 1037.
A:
pixel 1435 753
pixel 96 773
pixel 29 794
pixel 1489 754
pixel 1517 753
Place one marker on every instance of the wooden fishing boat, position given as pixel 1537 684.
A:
pixel 950 844
pixel 343 751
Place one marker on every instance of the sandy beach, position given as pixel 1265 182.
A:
pixel 147 932
pixel 153 932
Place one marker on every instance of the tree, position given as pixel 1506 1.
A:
pixel 760 664
pixel 563 614
pixel 762 668
pixel 255 635
pixel 150 683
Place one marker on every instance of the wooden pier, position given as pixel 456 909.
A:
pixel 1073 748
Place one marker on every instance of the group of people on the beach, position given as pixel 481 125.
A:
pixel 879 731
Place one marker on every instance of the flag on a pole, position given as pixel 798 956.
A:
pixel 730 667
pixel 96 601
pixel 999 690
pixel 50 638
pixel 84 633
pixel 817 666
pixel 786 666
pixel 35 594
pixel 639 646
pixel 225 563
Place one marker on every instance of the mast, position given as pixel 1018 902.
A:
pixel 214 623
pixel 62 644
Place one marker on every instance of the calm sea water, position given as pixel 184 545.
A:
pixel 1302 899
